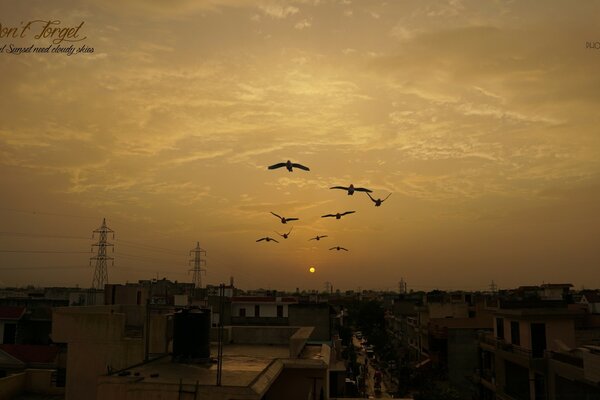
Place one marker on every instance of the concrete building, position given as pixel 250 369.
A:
pixel 260 310
pixel 592 300
pixel 105 338
pixel 9 319
pixel 122 351
pixel 269 363
pixel 530 353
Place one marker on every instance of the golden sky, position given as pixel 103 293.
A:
pixel 482 119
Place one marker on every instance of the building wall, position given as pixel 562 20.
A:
pixel 448 310
pixel 312 314
pixel 463 359
pixel 298 384
pixel 12 385
pixel 266 309
pixel 96 342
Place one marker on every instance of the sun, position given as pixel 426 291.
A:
pixel 312 270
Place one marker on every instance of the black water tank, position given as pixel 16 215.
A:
pixel 191 334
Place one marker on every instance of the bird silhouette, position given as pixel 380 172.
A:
pixel 338 248
pixel 268 239
pixel 351 189
pixel 284 220
pixel 378 202
pixel 337 215
pixel 318 237
pixel 284 235
pixel 289 165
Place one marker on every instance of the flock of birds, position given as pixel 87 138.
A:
pixel 350 190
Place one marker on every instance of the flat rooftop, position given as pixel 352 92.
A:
pixel 242 364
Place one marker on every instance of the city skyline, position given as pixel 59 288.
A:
pixel 480 120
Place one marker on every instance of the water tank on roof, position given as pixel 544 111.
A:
pixel 191 335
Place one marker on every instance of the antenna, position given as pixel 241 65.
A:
pixel 198 262
pixel 101 270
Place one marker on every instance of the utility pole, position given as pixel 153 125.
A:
pixel 101 270
pixel 198 262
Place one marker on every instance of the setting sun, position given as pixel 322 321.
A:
pixel 312 270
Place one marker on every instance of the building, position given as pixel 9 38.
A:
pixel 533 350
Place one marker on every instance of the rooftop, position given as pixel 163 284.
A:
pixel 241 365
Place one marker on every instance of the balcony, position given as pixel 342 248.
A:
pixel 500 344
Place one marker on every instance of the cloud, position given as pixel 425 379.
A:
pixel 303 24
pixel 278 11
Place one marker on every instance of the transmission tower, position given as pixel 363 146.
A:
pixel 198 262
pixel 493 287
pixel 101 270
pixel 402 286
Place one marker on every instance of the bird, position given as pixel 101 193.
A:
pixel 338 248
pixel 284 220
pixel 268 239
pixel 289 165
pixel 284 235
pixel 337 215
pixel 351 189
pixel 317 237
pixel 378 201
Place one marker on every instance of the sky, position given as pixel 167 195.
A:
pixel 480 118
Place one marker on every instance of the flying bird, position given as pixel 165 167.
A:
pixel 338 215
pixel 284 235
pixel 351 189
pixel 378 201
pixel 268 239
pixel 284 220
pixel 289 165
pixel 338 248
pixel 317 237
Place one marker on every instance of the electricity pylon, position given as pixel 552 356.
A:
pixel 101 270
pixel 198 262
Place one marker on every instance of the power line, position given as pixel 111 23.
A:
pixel 44 213
pixel 41 235
pixel 44 251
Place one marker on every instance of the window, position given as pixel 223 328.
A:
pixel 515 334
pixel 257 310
pixel 242 312
pixel 280 311
pixel 500 328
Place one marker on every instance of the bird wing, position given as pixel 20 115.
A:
pixel 323 236
pixel 363 190
pixel 386 197
pixel 311 239
pixel 343 248
pixel 260 239
pixel 289 231
pixel 374 201
pixel 328 215
pixel 278 216
pixel 276 241
pixel 278 165
pixel 339 187
pixel 347 212
pixel 300 166
pixel 333 248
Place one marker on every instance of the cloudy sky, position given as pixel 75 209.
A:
pixel 480 117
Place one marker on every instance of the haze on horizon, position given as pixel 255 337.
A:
pixel 480 117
